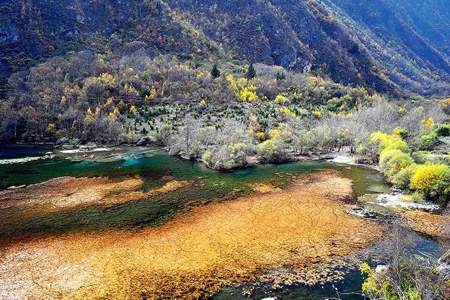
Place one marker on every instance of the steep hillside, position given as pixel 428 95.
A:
pixel 294 34
pixel 33 30
pixel 385 45
pixel 410 39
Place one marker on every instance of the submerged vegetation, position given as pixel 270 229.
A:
pixel 196 253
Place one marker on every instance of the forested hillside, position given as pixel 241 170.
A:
pixel 385 45
pixel 111 71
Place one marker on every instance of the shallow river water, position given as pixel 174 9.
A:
pixel 156 167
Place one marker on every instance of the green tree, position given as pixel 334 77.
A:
pixel 215 72
pixel 251 72
pixel 280 76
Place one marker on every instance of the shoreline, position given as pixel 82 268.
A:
pixel 254 160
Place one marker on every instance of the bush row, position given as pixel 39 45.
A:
pixel 430 180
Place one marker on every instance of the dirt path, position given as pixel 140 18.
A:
pixel 199 251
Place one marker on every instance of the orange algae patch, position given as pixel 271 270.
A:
pixel 264 188
pixel 428 223
pixel 69 192
pixel 198 252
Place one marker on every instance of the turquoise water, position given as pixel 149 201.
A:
pixel 159 165
pixel 156 167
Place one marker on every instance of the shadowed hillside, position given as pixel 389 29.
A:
pixel 384 45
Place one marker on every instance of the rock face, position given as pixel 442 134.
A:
pixel 382 44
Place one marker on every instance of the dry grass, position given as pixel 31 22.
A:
pixel 196 253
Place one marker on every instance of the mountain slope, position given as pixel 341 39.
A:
pixel 410 39
pixel 385 45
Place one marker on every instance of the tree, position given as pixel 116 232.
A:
pixel 280 76
pixel 432 181
pixel 215 72
pixel 251 73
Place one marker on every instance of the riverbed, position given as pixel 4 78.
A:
pixel 160 208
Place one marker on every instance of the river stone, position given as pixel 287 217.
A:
pixel 143 141
pixel 67 147
pixel 62 141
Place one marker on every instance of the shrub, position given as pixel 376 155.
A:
pixel 281 99
pixel 442 130
pixel 433 181
pixel 273 150
pixel 427 141
pixel 423 157
pixel 393 161
pixel 402 132
pixel 427 123
pixel 387 155
pixel 445 105
pixel 405 276
pixel 403 178
pixel 248 94
pixel 374 285
pixel 388 141
pixel 163 133
pixel 227 157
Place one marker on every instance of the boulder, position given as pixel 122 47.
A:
pixel 62 141
pixel 145 140
pixel 67 147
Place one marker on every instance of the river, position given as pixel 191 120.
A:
pixel 156 167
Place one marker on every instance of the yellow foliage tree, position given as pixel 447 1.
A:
pixel 317 114
pixel 428 123
pixel 51 128
pixel 248 93
pixel 286 112
pixel 107 80
pixel 244 91
pixel 109 101
pixel 281 99
pixel 90 117
pixel 388 141
pixel 433 180
pixel 114 114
